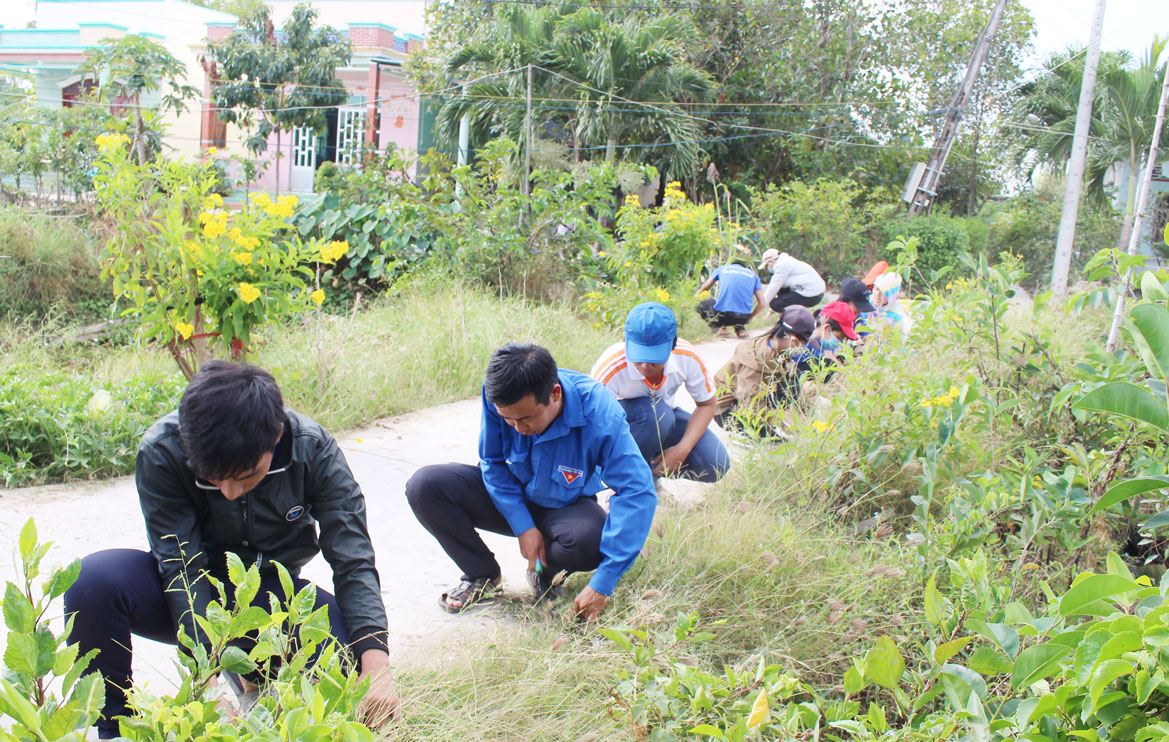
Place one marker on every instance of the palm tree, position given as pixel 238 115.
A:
pixel 593 80
pixel 1123 116
pixel 1128 115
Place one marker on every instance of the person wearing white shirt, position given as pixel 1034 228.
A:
pixel 792 282
pixel 645 373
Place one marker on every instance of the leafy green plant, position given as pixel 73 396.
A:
pixel 37 659
pixel 661 246
pixel 189 269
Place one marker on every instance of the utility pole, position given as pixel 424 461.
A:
pixel 528 138
pixel 1075 178
pixel 926 188
pixel 1142 204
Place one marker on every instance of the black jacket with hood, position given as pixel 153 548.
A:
pixel 308 485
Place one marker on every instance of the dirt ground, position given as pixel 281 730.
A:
pixel 83 518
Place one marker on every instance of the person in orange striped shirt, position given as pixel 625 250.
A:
pixel 645 373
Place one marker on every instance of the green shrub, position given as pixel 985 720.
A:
pixel 56 425
pixel 1028 225
pixel 826 223
pixel 943 240
pixel 326 177
pixel 48 265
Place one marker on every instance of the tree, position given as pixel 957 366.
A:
pixel 1122 119
pixel 273 82
pixel 131 67
pixel 590 70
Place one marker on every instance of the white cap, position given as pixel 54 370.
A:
pixel 769 254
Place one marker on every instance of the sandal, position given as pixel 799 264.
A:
pixel 469 592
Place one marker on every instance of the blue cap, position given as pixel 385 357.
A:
pixel 650 330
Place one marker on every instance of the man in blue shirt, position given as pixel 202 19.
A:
pixel 548 438
pixel 739 300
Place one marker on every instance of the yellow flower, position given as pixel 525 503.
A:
pixel 212 150
pixel 235 234
pixel 645 243
pixel 601 253
pixel 213 201
pixel 628 263
pixel 674 185
pixel 248 293
pixel 663 295
pixel 184 329
pixel 281 209
pixel 214 228
pixel 334 251
pixel 288 200
pixel 955 392
pixel 106 141
pixel 632 200
pixel 318 297
pixel 194 248
pixel 261 199
pixel 820 425
pixel 207 216
pixel 243 258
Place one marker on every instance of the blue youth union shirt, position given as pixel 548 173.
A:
pixel 588 442
pixel 736 288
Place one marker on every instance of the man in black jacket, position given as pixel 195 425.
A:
pixel 233 471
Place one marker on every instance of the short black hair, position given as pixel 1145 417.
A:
pixel 517 370
pixel 834 325
pixel 231 415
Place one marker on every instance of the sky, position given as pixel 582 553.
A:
pixel 1128 24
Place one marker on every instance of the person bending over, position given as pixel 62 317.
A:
pixel 645 373
pixel 739 300
pixel 548 438
pixel 792 282
pixel 233 471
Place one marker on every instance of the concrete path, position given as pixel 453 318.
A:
pixel 83 518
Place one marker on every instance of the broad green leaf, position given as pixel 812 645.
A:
pixel 1030 709
pixel 1152 335
pixel 20 656
pixel 1127 489
pixel 1104 674
pixel 1004 636
pixel 933 601
pixel 989 661
pixel 1156 521
pixel 1151 288
pixel 617 637
pixel 62 579
pixel 854 682
pixel 28 540
pixel 1126 400
pixel 708 731
pixel 235 569
pixel 1037 662
pixel 961 683
pixel 945 652
pixel 19 615
pixel 1087 653
pixel 1091 589
pixel 236 660
pixel 884 664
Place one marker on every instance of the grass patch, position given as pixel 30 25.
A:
pixel 426 345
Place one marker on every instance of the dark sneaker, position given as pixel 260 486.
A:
pixel 545 586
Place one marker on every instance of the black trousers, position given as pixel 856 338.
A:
pixel 786 297
pixel 721 319
pixel 451 501
pixel 119 593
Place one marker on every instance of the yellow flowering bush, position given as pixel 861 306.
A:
pixel 195 272
pixel 666 244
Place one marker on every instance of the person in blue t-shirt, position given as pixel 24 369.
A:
pixel 739 300
pixel 548 438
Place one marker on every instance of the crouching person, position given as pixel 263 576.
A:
pixel 548 438
pixel 761 377
pixel 233 471
pixel 645 373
